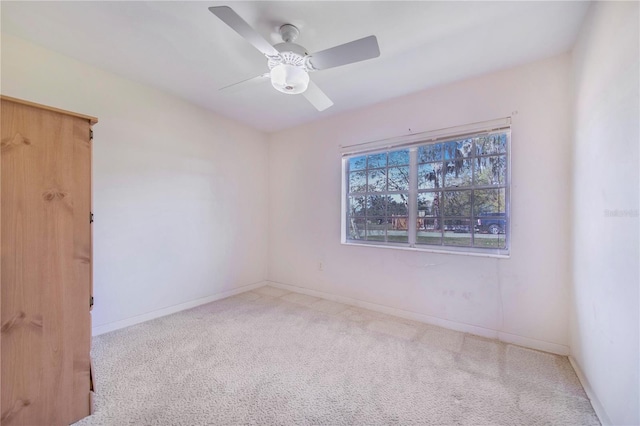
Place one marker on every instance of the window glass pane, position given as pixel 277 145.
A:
pixel 429 224
pixel 378 180
pixel 457 232
pixel 357 163
pixel 458 173
pixel 357 182
pixel 430 176
pixel 377 160
pixel 491 224
pixel 397 205
pixel 429 204
pixel 376 205
pixel 431 152
pixel 496 241
pixel 356 206
pixel 491 144
pixel 429 235
pixel 458 149
pixel 457 203
pixel 399 158
pixel 376 229
pixel 356 228
pixel 429 231
pixel 398 178
pixel 491 170
pixel 489 202
pixel 397 230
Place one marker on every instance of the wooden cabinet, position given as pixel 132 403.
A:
pixel 46 288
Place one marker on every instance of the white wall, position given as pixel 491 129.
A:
pixel 523 298
pixel 605 320
pixel 180 194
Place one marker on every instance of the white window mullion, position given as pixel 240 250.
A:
pixel 413 196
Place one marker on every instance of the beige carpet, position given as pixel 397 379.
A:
pixel 272 357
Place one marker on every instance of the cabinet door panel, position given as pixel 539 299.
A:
pixel 45 267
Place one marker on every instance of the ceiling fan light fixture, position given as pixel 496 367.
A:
pixel 289 79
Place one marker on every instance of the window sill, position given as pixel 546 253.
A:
pixel 428 250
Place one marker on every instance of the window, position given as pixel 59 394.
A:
pixel 450 194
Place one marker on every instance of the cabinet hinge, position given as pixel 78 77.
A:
pixel 91 301
pixel 90 217
pixel 90 134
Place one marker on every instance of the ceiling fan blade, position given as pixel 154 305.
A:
pixel 354 51
pixel 317 97
pixel 239 25
pixel 245 83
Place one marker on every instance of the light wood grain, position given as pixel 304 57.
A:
pixel 90 119
pixel 79 292
pixel 46 265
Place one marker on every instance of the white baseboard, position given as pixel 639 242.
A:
pixel 528 342
pixel 452 325
pixel 595 402
pixel 112 326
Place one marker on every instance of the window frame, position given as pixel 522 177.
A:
pixel 413 144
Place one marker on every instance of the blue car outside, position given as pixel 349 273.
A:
pixel 491 223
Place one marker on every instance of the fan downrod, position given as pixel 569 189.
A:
pixel 289 33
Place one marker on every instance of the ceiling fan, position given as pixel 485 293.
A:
pixel 289 63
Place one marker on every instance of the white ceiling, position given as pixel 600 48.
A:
pixel 182 48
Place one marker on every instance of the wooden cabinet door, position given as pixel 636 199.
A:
pixel 46 265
